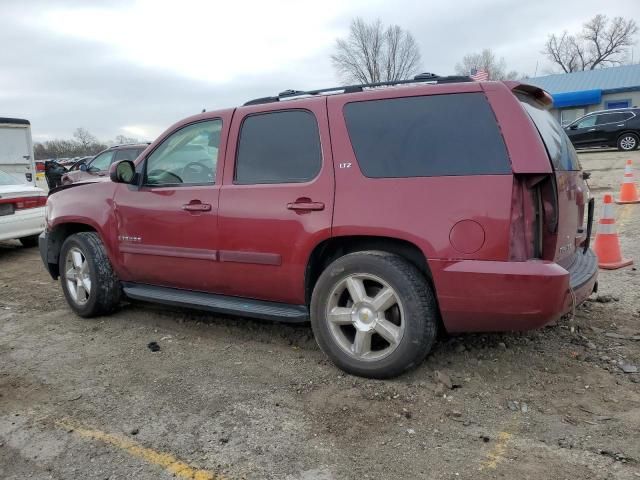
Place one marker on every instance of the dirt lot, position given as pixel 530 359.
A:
pixel 236 398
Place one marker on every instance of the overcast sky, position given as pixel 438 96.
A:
pixel 136 67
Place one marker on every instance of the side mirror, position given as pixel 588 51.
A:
pixel 123 172
pixel 83 167
pixel 573 127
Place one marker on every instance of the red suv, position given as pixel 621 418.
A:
pixel 380 214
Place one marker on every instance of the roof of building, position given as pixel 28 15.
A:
pixel 624 78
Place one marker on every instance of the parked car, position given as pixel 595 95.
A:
pixel 99 166
pixel 618 128
pixel 21 210
pixel 362 211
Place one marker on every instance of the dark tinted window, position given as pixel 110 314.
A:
pixel 278 147
pixel 613 117
pixel 562 154
pixel 127 154
pixel 426 136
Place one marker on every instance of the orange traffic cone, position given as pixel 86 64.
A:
pixel 628 192
pixel 607 245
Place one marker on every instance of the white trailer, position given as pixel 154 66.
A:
pixel 16 150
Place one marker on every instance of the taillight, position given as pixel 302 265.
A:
pixel 25 203
pixel 528 214
pixel 40 167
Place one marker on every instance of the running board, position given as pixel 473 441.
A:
pixel 245 307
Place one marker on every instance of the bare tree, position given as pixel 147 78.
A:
pixel 84 138
pixel 372 53
pixel 601 43
pixel 123 139
pixel 487 61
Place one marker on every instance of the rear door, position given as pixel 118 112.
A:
pixel 276 203
pixel 610 125
pixel 16 152
pixel 572 191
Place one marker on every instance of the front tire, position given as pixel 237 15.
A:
pixel 628 142
pixel 88 281
pixel 374 314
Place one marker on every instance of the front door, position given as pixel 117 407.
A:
pixel 584 133
pixel 276 203
pixel 167 226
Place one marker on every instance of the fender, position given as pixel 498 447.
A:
pixel 80 207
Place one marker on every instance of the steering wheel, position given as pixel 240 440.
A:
pixel 195 171
pixel 162 173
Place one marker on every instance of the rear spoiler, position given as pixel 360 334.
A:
pixel 540 95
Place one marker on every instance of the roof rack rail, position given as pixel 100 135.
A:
pixel 421 78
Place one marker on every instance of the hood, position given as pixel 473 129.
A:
pixel 78 184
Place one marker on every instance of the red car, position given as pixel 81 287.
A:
pixel 380 214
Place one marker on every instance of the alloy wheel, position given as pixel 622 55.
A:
pixel 365 317
pixel 77 276
pixel 628 143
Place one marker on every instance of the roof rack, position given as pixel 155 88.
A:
pixel 431 78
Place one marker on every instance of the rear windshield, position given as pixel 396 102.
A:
pixel 559 147
pixel 435 135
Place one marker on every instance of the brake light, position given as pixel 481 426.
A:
pixel 40 167
pixel 526 236
pixel 24 203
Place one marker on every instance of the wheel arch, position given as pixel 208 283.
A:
pixel 335 247
pixel 56 237
pixel 635 133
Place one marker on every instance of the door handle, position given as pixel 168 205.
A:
pixel 197 207
pixel 305 204
pixel 591 130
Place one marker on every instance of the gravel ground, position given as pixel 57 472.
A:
pixel 236 398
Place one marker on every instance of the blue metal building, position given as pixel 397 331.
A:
pixel 578 93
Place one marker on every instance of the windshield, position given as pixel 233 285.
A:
pixel 6 179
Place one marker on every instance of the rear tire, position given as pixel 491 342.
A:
pixel 30 241
pixel 374 314
pixel 628 142
pixel 88 281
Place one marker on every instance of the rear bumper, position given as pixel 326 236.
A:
pixel 477 296
pixel 23 223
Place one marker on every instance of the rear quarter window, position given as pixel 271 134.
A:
pixel 427 136
pixel 561 152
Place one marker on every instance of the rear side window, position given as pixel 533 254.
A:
pixel 613 118
pixel 127 154
pixel 562 154
pixel 428 136
pixel 278 147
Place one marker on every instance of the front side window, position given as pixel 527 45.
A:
pixel 278 147
pixel 188 156
pixel 101 162
pixel 587 122
pixel 426 136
